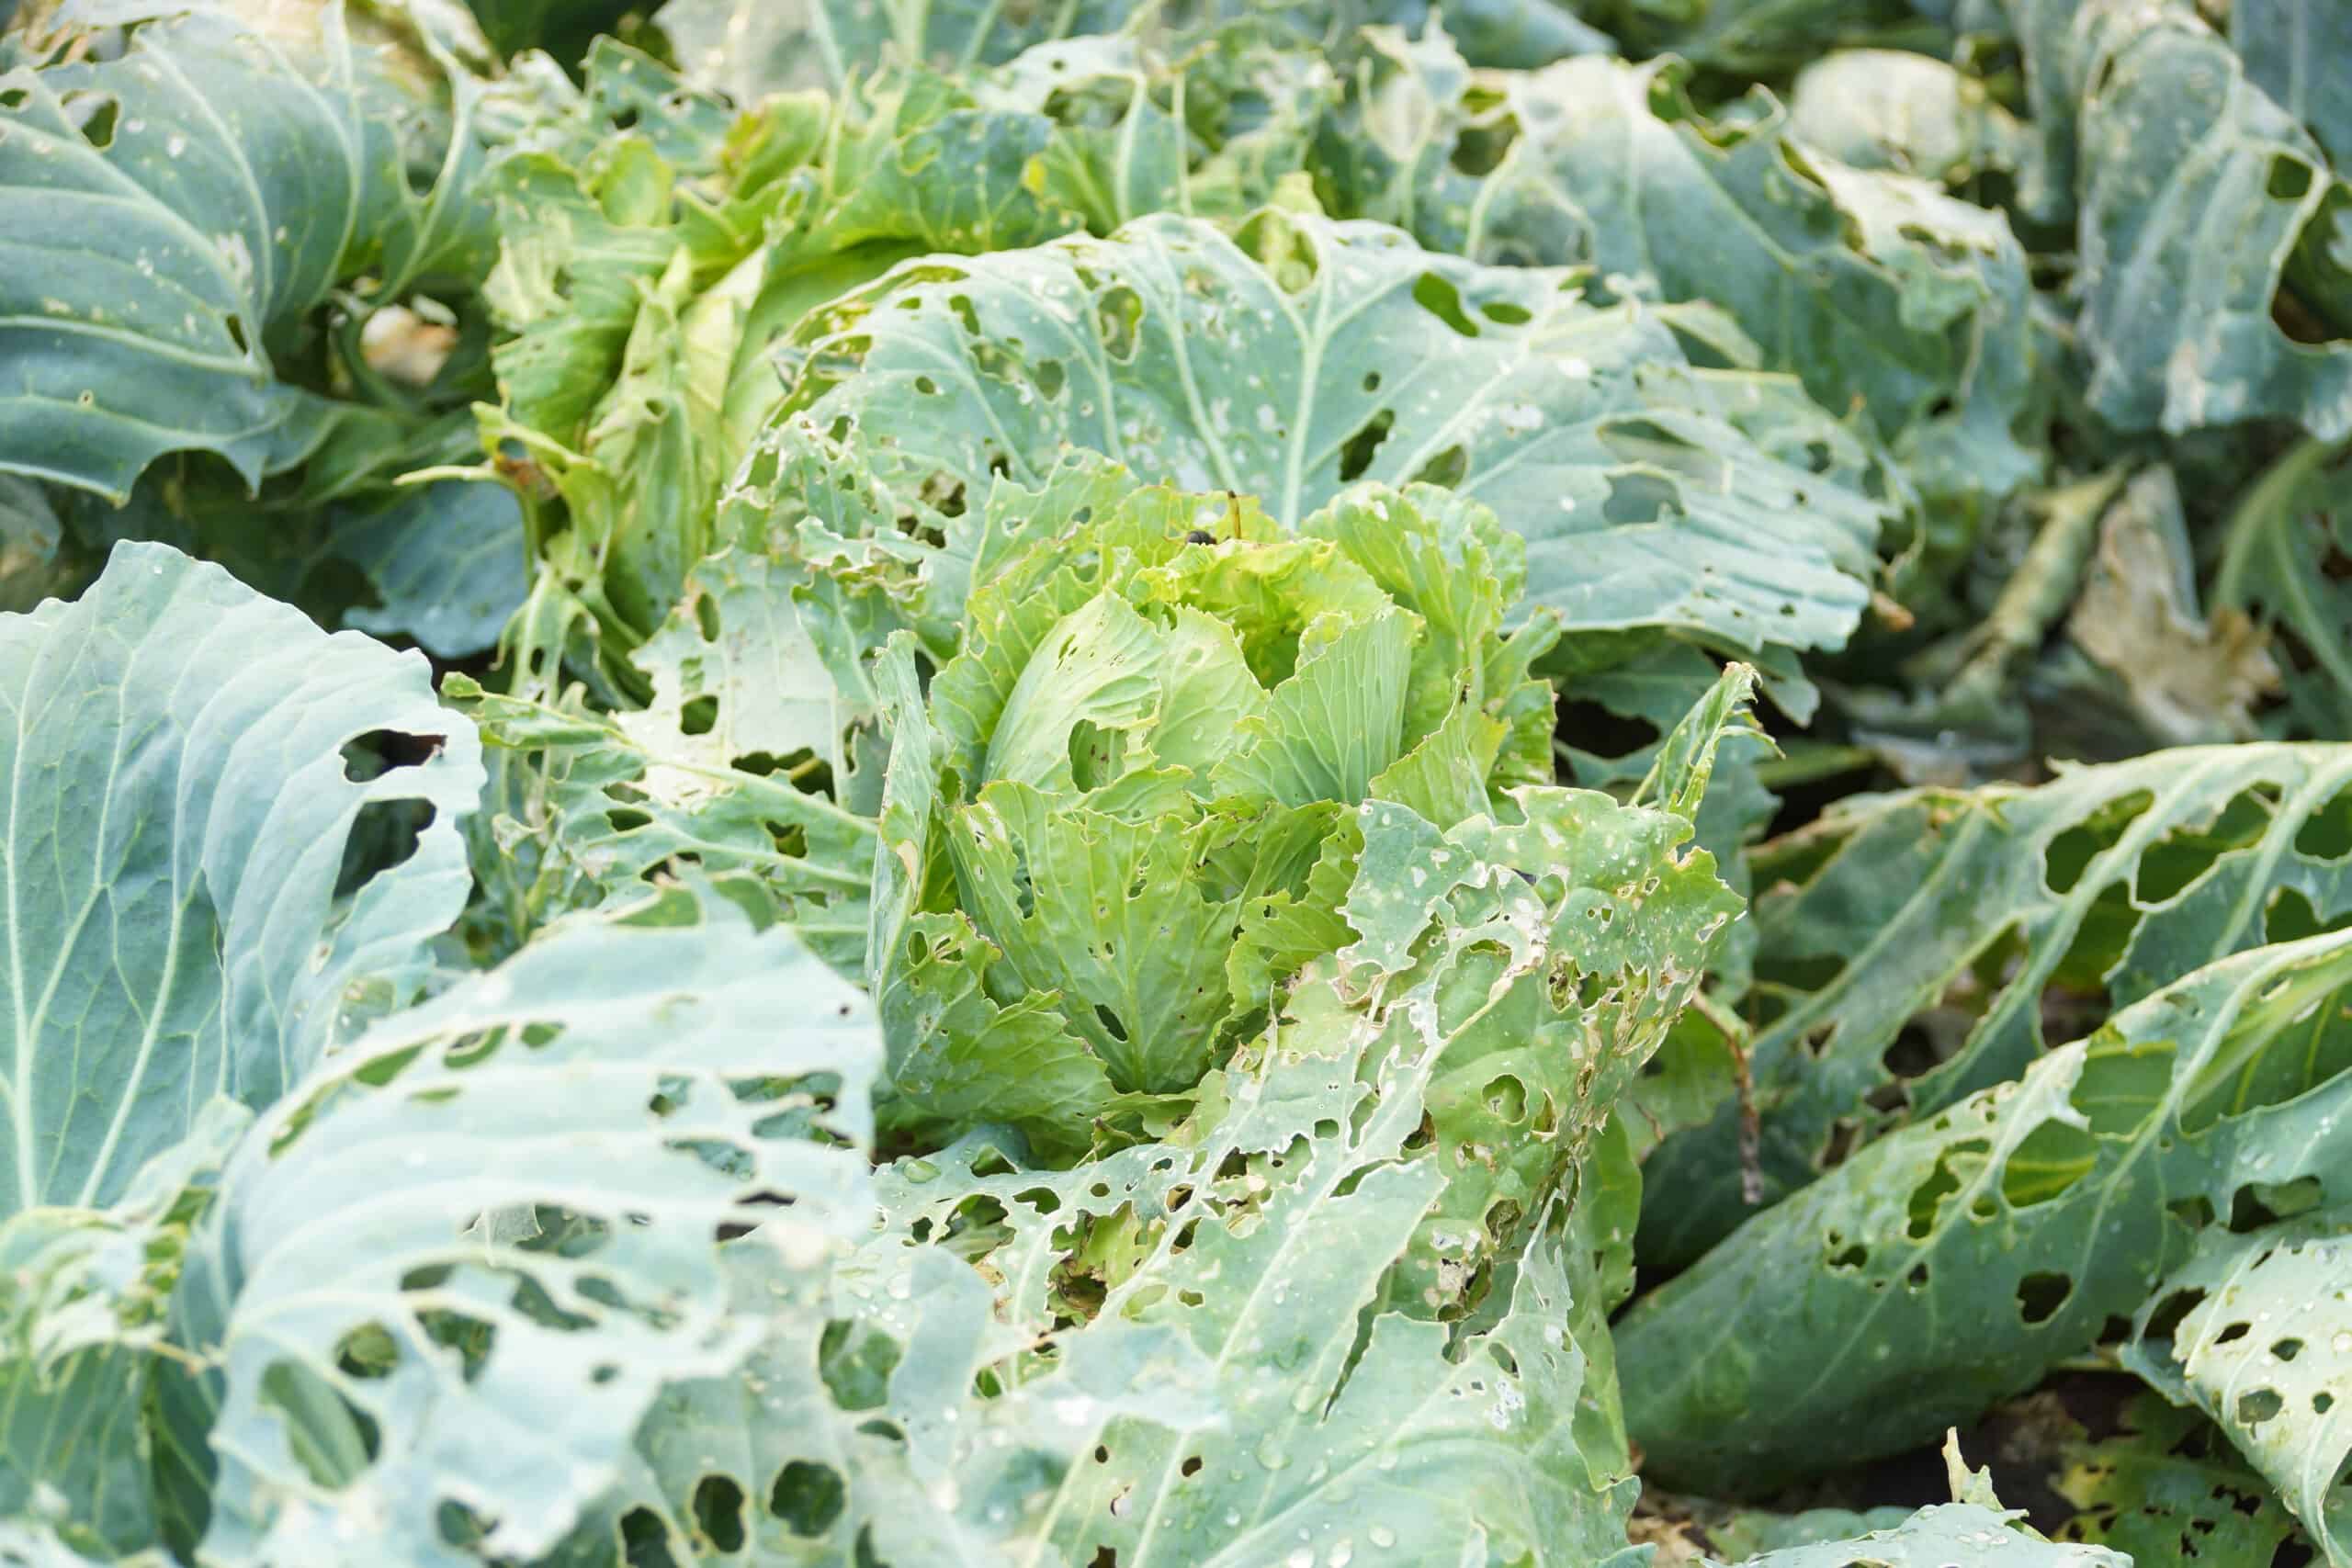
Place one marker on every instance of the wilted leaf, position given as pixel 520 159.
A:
pixel 2189 679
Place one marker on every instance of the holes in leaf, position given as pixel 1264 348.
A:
pixel 1954 1166
pixel 1191 1466
pixel 384 834
pixel 2256 1406
pixel 1504 313
pixel 1635 498
pixel 718 1512
pixel 2287 1349
pixel 2073 997
pixel 2050 1160
pixel 1442 300
pixel 1356 455
pixel 856 1363
pixel 1445 470
pixel 1592 727
pixel 458 1525
pixel 2326 834
pixel 2069 854
pixel 1049 378
pixel 330 1436
pixel 2288 916
pixel 1097 755
pixel 1479 147
pixel 997 361
pixel 2259 1203
pixel 807 1498
pixel 644 1542
pixel 2163 1324
pixel 2115 1097
pixel 2196 1213
pixel 707 617
pixel 378 751
pixel 2289 179
pixel 2177 860
pixel 1110 1023
pixel 2201 1440
pixel 1507 1097
pixel 367 1353
pixel 1118 318
pixel 236 329
pixel 699 715
pixel 2040 1295
pixel 93 115
pixel 1911 1052
pixel 471 1337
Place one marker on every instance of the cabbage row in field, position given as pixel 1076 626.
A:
pixel 909 782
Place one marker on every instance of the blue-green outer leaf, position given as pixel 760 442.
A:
pixel 174 813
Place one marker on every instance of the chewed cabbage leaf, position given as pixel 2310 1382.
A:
pixel 1949 1535
pixel 2257 1332
pixel 1918 947
pixel 199 196
pixel 1884 295
pixel 2017 1223
pixel 2172 143
pixel 186 770
pixel 749 48
pixel 449 1272
pixel 1301 355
